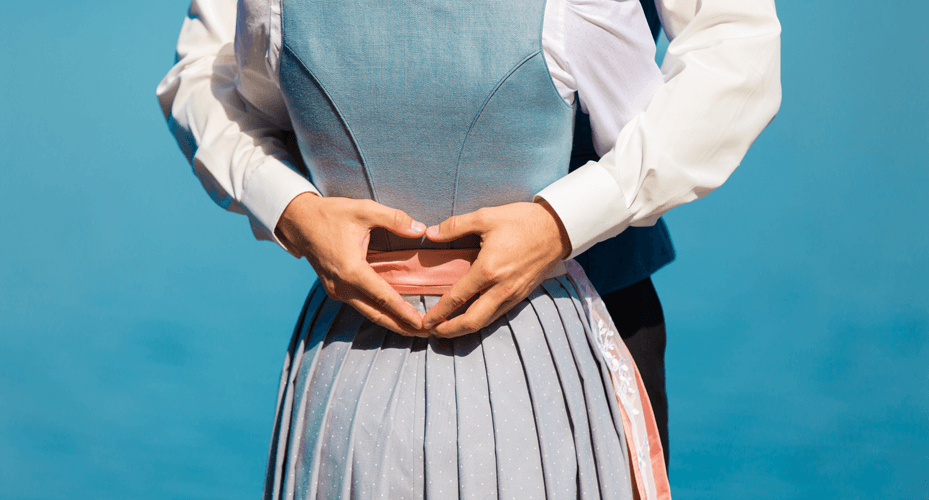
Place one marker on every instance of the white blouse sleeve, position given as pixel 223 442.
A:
pixel 720 88
pixel 228 115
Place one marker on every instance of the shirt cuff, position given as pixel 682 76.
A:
pixel 268 191
pixel 590 204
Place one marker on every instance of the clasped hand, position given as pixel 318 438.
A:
pixel 520 243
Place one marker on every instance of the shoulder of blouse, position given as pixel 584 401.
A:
pixel 260 33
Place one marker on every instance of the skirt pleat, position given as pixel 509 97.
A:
pixel 610 451
pixel 285 395
pixel 519 465
pixel 441 452
pixel 331 339
pixel 343 412
pixel 522 409
pixel 477 456
pixel 572 387
pixel 550 410
pixel 610 395
pixel 381 419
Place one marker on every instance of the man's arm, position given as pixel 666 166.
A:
pixel 722 87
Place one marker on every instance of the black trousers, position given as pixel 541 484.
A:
pixel 637 314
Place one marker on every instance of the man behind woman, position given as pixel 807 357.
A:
pixel 660 154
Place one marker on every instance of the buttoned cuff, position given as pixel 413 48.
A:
pixel 268 191
pixel 590 205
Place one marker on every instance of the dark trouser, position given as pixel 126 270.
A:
pixel 637 314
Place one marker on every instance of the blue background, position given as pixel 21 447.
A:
pixel 142 329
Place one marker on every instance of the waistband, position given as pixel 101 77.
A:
pixel 429 271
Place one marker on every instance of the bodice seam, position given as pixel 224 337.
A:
pixel 351 135
pixel 477 116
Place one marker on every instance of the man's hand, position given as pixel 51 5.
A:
pixel 520 244
pixel 333 235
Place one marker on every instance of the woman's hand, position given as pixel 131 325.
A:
pixel 520 244
pixel 333 235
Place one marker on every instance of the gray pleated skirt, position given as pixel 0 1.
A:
pixel 523 409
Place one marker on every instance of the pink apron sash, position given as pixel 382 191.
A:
pixel 422 272
pixel 642 438
pixel 428 271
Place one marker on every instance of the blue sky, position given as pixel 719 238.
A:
pixel 142 329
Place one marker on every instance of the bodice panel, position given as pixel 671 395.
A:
pixel 432 107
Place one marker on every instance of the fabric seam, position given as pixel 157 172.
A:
pixel 477 116
pixel 335 109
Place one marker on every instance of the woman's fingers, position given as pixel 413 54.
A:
pixel 519 242
pixel 504 308
pixel 459 225
pixel 381 295
pixel 392 219
pixel 481 313
pixel 472 283
pixel 376 315
pixel 332 234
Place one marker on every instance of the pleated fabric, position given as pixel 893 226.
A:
pixel 523 409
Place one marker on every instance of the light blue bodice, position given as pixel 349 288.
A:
pixel 433 107
pixel 439 108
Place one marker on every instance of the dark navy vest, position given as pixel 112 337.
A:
pixel 437 108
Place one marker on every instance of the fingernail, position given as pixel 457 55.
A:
pixel 418 322
pixel 417 226
pixel 432 231
pixel 429 325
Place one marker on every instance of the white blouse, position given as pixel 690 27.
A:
pixel 667 136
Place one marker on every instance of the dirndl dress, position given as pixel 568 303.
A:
pixel 441 108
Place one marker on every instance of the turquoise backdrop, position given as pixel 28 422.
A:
pixel 142 329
